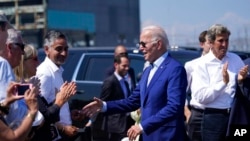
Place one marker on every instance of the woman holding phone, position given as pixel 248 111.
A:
pixel 22 131
pixel 25 72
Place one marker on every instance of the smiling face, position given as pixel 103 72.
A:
pixel 220 45
pixel 148 46
pixel 58 51
pixel 122 66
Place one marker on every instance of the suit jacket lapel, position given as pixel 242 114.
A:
pixel 144 82
pixel 156 76
pixel 120 92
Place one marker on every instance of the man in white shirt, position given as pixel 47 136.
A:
pixel 214 83
pixel 10 56
pixel 11 50
pixel 6 74
pixel 50 74
pixel 194 120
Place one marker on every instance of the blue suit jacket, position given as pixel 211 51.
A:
pixel 161 103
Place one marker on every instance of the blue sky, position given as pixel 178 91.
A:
pixel 183 20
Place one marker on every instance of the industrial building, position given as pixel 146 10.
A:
pixel 85 22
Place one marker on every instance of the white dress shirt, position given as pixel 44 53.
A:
pixel 208 87
pixel 51 81
pixel 156 64
pixel 6 76
pixel 189 66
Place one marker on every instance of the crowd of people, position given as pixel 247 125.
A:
pixel 154 109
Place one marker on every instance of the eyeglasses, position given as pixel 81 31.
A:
pixel 20 45
pixel 143 44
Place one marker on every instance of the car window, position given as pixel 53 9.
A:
pixel 94 69
pixel 97 67
pixel 137 64
pixel 184 56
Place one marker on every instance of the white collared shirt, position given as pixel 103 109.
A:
pixel 189 66
pixel 156 64
pixel 208 87
pixel 6 76
pixel 51 80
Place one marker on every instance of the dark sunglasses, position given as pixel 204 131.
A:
pixel 20 45
pixel 143 44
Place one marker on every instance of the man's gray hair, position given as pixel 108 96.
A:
pixel 217 29
pixel 52 36
pixel 14 36
pixel 157 33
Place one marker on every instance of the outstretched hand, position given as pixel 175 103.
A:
pixel 93 107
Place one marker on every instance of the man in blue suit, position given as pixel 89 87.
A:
pixel 160 93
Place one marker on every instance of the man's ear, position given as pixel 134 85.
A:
pixel 115 64
pixel 46 50
pixel 159 42
pixel 9 47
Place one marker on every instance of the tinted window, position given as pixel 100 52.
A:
pixel 97 67
pixel 137 64
pixel 184 56
pixel 94 69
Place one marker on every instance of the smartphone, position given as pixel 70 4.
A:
pixel 22 88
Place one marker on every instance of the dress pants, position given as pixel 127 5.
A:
pixel 194 124
pixel 214 125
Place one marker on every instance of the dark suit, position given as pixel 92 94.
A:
pixel 240 110
pixel 161 103
pixel 114 124
pixel 131 73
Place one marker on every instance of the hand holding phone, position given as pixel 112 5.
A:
pixel 21 89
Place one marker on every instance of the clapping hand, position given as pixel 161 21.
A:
pixel 225 73
pixel 67 90
pixel 243 73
